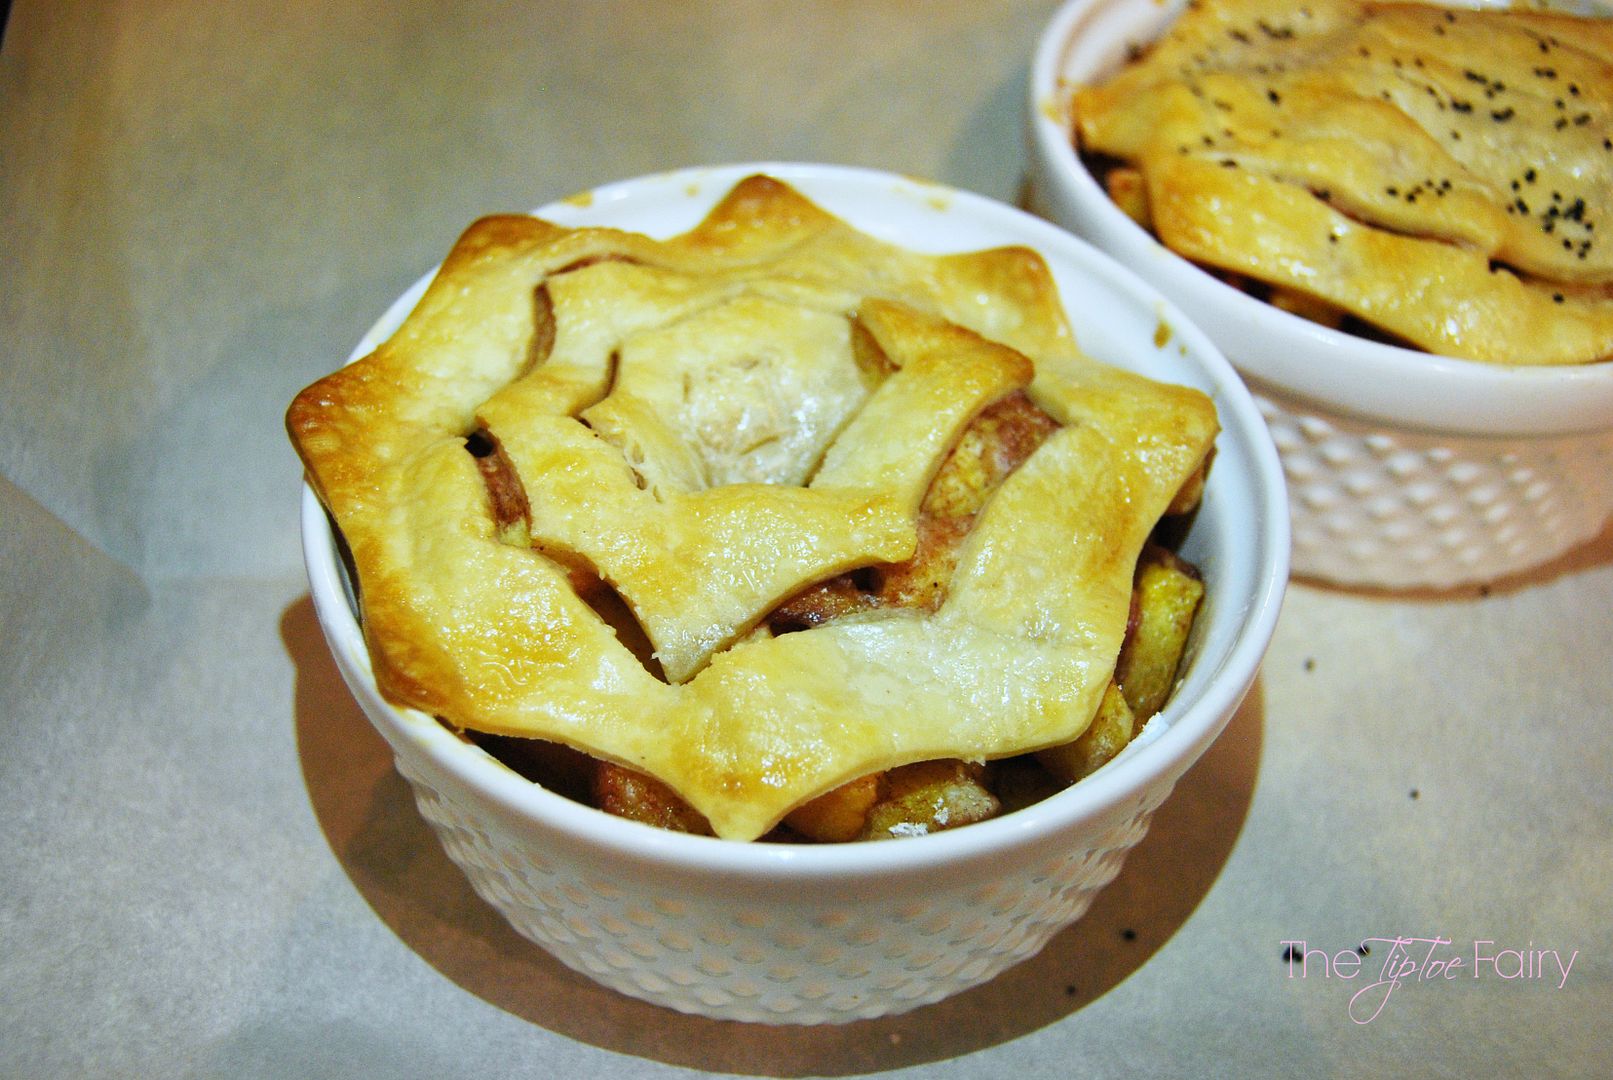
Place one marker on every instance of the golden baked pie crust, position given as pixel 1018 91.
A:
pixel 1441 174
pixel 530 329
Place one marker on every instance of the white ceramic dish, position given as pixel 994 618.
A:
pixel 811 934
pixel 1405 469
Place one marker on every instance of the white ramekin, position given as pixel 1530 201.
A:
pixel 1405 469
pixel 812 934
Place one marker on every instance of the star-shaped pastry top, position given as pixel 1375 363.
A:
pixel 699 428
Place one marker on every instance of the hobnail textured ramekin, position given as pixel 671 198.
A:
pixel 1405 469
pixel 812 934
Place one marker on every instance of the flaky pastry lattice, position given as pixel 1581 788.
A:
pixel 580 437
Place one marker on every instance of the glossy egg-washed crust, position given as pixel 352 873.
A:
pixel 1445 175
pixel 711 423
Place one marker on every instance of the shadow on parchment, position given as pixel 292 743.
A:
pixel 369 818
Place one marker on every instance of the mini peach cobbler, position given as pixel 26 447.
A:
pixel 1435 177
pixel 769 529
